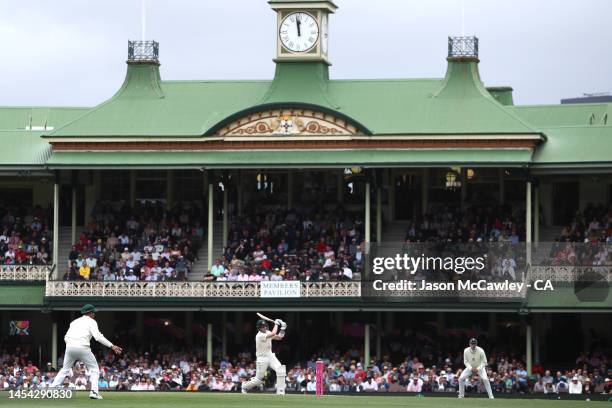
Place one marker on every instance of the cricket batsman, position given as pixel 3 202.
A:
pixel 265 357
pixel 475 362
pixel 78 347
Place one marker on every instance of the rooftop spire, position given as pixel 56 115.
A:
pixel 142 79
pixel 463 47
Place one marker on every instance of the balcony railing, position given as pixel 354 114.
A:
pixel 25 272
pixel 463 47
pixel 143 51
pixel 192 289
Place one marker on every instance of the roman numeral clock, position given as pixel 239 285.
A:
pixel 302 29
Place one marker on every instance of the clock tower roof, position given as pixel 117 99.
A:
pixel 296 4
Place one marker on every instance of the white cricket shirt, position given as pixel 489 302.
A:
pixel 474 359
pixel 263 344
pixel 82 330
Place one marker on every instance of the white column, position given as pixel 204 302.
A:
pixel 74 215
pixel 528 223
pixel 367 213
pixel 209 343
pixel 366 346
pixel 528 356
pixel 211 221
pixel 225 215
pixel 536 214
pixel 56 226
pixel 54 345
pixel 379 215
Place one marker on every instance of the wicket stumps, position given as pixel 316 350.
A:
pixel 320 374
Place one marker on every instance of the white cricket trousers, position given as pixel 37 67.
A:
pixel 467 373
pixel 262 365
pixel 71 356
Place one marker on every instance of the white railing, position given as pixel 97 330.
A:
pixel 571 273
pixel 191 289
pixel 25 272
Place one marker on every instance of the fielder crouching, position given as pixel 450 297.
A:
pixel 265 357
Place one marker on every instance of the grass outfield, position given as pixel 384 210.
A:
pixel 200 400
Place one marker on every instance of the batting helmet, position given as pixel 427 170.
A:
pixel 261 323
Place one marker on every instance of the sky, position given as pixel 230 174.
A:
pixel 73 52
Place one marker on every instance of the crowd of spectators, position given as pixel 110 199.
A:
pixel 584 241
pixel 25 236
pixel 451 224
pixel 181 371
pixel 292 245
pixel 146 243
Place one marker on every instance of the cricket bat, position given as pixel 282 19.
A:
pixel 265 317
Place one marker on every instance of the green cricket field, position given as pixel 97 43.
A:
pixel 229 400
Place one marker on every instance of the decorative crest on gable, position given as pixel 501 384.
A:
pixel 288 122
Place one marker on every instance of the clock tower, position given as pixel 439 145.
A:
pixel 301 29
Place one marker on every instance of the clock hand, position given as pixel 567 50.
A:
pixel 298 22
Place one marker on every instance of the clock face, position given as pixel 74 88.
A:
pixel 299 32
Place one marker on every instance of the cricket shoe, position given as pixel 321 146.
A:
pixel 94 395
pixel 242 389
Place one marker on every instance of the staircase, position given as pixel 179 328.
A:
pixel 65 245
pixel 200 267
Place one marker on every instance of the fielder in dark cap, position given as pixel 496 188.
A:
pixel 78 347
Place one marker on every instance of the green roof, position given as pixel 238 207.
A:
pixel 145 106
pixel 575 145
pixel 297 158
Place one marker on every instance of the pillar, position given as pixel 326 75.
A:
pixel 54 345
pixel 56 226
pixel 225 214
pixel 209 343
pixel 536 214
pixel 132 188
pixel 366 346
pixel 528 223
pixel 367 213
pixel 211 220
pixel 528 356
pixel 425 192
pixel 169 189
pixel 289 189
pixel 379 215
pixel 73 223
